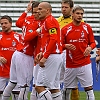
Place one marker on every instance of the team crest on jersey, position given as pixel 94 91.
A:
pixel 53 31
pixel 13 43
pixel 82 34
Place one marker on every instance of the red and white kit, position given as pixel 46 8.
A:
pixel 51 47
pixel 81 36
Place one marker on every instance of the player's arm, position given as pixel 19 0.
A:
pixel 91 42
pixel 91 39
pixel 21 19
pixel 31 33
pixel 52 42
pixel 64 44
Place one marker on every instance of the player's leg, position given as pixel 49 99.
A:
pixel 75 94
pixel 86 81
pixel 70 82
pixel 8 90
pixel 24 74
pixel 56 93
pixel 15 93
pixel 13 79
pixel 49 76
pixel 24 90
pixel 44 94
pixel 66 94
pixel 34 94
pixel 3 83
pixel 90 93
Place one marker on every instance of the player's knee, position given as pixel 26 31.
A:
pixel 39 88
pixel 75 88
pixel 15 92
pixel 88 88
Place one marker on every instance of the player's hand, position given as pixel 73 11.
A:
pixel 38 57
pixel 97 59
pixel 3 60
pixel 70 46
pixel 42 61
pixel 98 51
pixel 87 51
pixel 39 30
pixel 29 6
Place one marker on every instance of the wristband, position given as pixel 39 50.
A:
pixel 38 30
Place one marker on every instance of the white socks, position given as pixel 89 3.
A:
pixel 8 90
pixel 23 93
pixel 33 95
pixel 15 96
pixel 45 95
pixel 90 95
pixel 66 94
pixel 57 96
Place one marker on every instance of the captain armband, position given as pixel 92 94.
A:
pixel 52 31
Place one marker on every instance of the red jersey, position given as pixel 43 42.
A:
pixel 28 25
pixel 50 37
pixel 8 43
pixel 81 36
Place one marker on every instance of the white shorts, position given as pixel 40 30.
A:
pixel 4 82
pixel 63 66
pixel 21 70
pixel 81 74
pixel 49 76
pixel 35 72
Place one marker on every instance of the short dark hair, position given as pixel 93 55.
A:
pixel 77 7
pixel 7 17
pixel 35 4
pixel 70 2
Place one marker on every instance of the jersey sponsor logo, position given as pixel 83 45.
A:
pixel 53 31
pixel 8 49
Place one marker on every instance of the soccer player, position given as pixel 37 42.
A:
pixel 66 9
pixel 79 41
pixel 22 59
pixel 32 6
pixel 8 44
pixel 49 59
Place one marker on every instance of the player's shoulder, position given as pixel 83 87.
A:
pixel 17 34
pixel 29 18
pixel 59 18
pixel 51 19
pixel 85 24
pixel 67 26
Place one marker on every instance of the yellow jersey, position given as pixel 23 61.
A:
pixel 64 21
